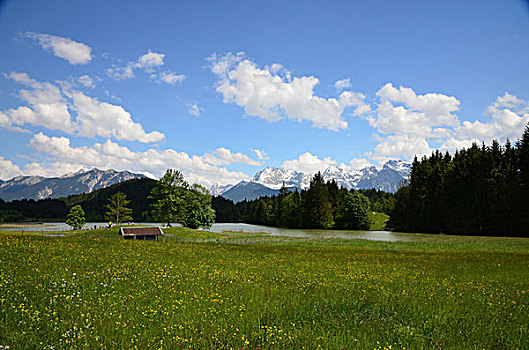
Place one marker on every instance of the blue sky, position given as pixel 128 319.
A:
pixel 220 90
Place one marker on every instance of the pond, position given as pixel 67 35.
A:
pixel 241 227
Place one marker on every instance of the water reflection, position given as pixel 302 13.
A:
pixel 277 231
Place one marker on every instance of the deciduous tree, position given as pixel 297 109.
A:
pixel 169 196
pixel 117 210
pixel 75 218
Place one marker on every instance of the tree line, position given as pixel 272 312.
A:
pixel 323 205
pixel 482 190
pixel 172 200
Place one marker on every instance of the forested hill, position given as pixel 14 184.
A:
pixel 137 191
pixel 482 190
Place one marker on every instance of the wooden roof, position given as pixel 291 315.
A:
pixel 141 231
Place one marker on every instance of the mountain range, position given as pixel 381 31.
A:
pixel 83 181
pixel 267 182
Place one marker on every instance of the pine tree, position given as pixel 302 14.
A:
pixel 317 209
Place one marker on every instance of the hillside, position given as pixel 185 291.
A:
pixel 137 191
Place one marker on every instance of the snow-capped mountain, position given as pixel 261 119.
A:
pixel 344 178
pixel 267 182
pixel 274 178
pixel 217 190
pixel 38 187
pixel 403 168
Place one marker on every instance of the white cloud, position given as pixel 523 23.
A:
pixel 49 106
pixel 413 122
pixel 109 154
pixel 108 120
pixel 8 170
pixel 149 63
pixel 272 94
pixel 261 155
pixel 121 72
pixel 86 81
pixel 46 106
pixel 343 84
pixel 194 110
pixel 308 163
pixel 395 146
pixel 223 156
pixel 356 164
pixel 170 77
pixel 72 51
pixel 508 117
pixel 403 111
pixel 151 60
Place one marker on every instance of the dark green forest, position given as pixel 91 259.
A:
pixel 482 190
pixel 322 205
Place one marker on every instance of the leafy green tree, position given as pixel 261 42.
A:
pixel 75 218
pixel 353 212
pixel 198 211
pixel 169 197
pixel 117 210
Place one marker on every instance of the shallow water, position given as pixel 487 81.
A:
pixel 239 227
pixel 314 233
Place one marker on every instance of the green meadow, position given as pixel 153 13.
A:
pixel 197 289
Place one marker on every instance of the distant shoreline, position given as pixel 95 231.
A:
pixel 20 225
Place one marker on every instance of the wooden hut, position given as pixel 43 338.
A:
pixel 141 233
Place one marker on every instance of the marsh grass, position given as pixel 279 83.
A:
pixel 101 291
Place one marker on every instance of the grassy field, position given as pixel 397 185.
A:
pixel 439 292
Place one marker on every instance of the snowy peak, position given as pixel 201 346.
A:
pixel 274 178
pixel 403 168
pixel 22 181
pixel 38 187
pixel 389 178
pixel 343 177
pixel 217 190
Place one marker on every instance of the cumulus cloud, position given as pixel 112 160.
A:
pixel 223 156
pixel 343 84
pixel 86 81
pixel 194 110
pixel 308 163
pixel 46 106
pixel 261 155
pixel 403 146
pixel 508 117
pixel 108 120
pixel 271 93
pixel 151 60
pixel 410 124
pixel 149 63
pixel 169 77
pixel 49 106
pixel 72 51
pixel 66 157
pixel 8 170
pixel 356 164
pixel 403 111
